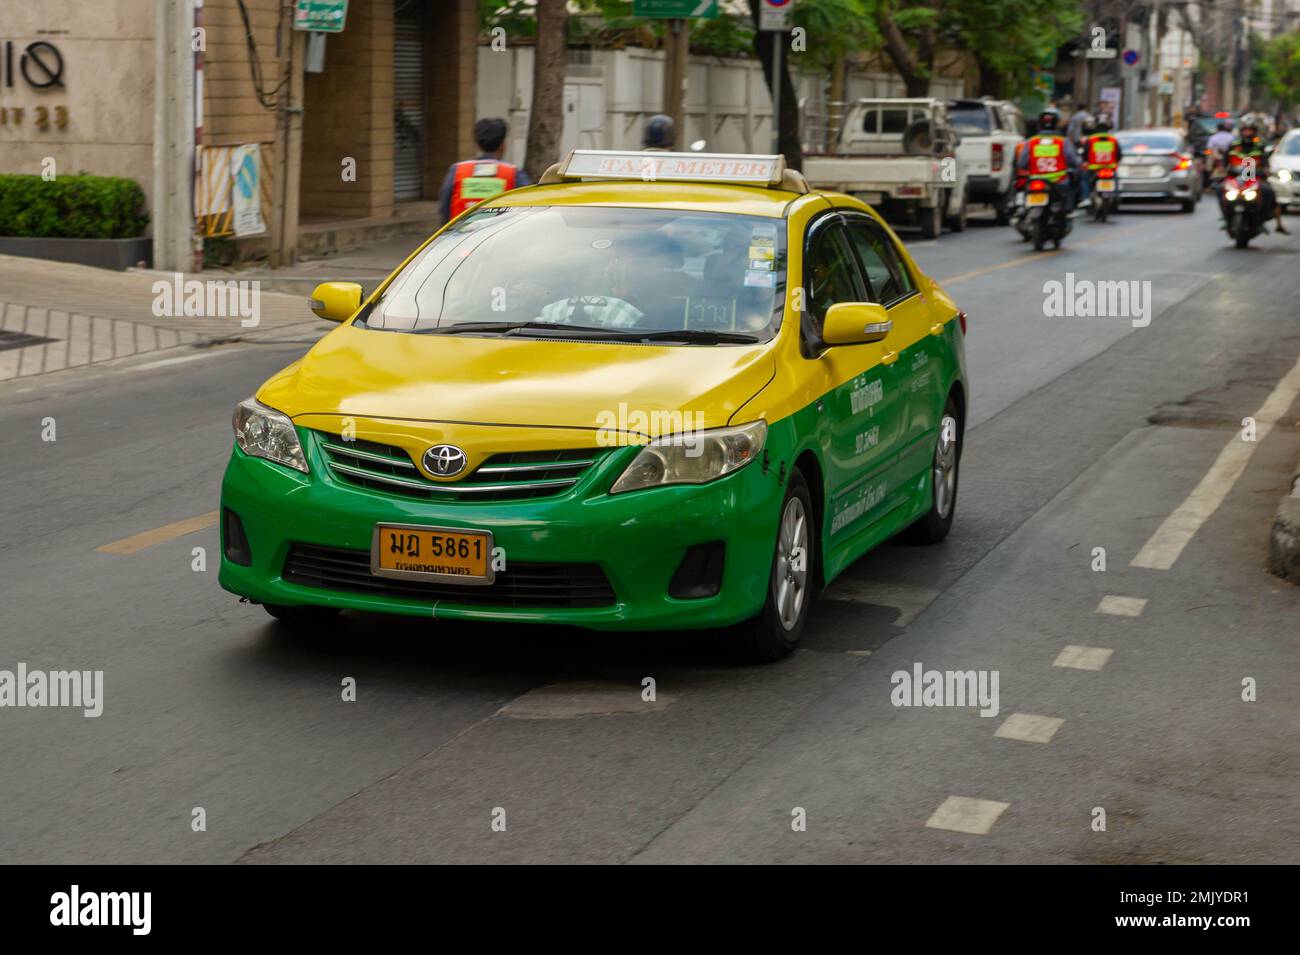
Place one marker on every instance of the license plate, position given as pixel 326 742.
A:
pixel 415 552
pixel 1105 185
pixel 1037 199
pixel 1141 172
pixel 872 198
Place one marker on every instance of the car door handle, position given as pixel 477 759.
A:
pixel 889 357
pixel 936 329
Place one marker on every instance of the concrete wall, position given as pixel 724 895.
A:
pixel 107 88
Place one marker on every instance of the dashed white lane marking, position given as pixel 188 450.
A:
pixel 1029 728
pixel 1082 658
pixel 1122 606
pixel 964 814
pixel 1167 543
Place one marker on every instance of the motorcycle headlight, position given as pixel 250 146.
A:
pixel 1249 195
pixel 1284 175
pixel 1230 195
pixel 266 433
pixel 693 458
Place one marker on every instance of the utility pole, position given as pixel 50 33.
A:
pixel 677 55
pixel 174 241
pixel 1153 71
pixel 288 148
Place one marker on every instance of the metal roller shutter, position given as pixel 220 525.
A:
pixel 408 100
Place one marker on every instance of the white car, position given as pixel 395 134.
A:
pixel 1284 171
pixel 990 130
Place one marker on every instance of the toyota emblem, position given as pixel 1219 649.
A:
pixel 444 460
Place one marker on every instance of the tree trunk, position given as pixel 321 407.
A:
pixel 788 122
pixel 913 69
pixel 546 119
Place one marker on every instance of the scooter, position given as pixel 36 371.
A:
pixel 1103 199
pixel 1242 204
pixel 1045 219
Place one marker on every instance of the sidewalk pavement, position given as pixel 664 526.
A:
pixel 368 265
pixel 57 315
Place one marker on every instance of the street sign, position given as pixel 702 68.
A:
pixel 675 9
pixel 320 16
pixel 1130 57
pixel 774 15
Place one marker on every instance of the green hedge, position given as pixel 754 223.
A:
pixel 71 207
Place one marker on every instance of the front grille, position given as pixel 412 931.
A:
pixel 521 585
pixel 512 476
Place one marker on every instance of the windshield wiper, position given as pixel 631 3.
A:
pixel 503 327
pixel 697 335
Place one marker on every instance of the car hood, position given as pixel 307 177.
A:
pixel 366 373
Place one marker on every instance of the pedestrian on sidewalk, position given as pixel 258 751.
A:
pixel 485 176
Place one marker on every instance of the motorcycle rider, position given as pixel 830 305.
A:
pixel 1049 155
pixel 1100 151
pixel 1247 160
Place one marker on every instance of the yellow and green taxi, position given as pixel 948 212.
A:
pixel 654 391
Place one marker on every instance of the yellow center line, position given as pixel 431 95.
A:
pixel 138 542
pixel 1010 263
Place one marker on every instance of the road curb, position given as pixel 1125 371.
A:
pixel 1284 539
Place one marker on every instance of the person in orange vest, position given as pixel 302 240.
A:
pixel 485 176
pixel 1100 151
pixel 1049 155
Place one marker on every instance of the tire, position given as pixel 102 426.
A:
pixel 1002 209
pixel 301 616
pixel 932 221
pixel 958 222
pixel 1040 240
pixel 1188 205
pixel 934 525
pixel 1238 229
pixel 1103 210
pixel 776 630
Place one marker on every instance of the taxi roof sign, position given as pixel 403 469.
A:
pixel 654 166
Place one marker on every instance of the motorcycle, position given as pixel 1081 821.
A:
pixel 1103 199
pixel 1242 204
pixel 1045 218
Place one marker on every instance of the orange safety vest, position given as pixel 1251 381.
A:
pixel 1047 157
pixel 1101 151
pixel 479 179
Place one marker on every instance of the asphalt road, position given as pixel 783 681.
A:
pixel 1086 433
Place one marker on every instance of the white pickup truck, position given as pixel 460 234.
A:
pixel 898 156
pixel 990 130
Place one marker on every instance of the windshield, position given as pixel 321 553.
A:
pixel 1290 146
pixel 1144 142
pixel 970 120
pixel 598 273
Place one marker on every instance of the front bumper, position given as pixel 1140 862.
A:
pixel 638 539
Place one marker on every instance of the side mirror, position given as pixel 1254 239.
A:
pixel 855 323
pixel 335 301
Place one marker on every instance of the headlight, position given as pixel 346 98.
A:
pixel 1284 175
pixel 266 433
pixel 693 458
pixel 1249 195
pixel 1231 195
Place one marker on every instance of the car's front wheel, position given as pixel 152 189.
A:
pixel 776 630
